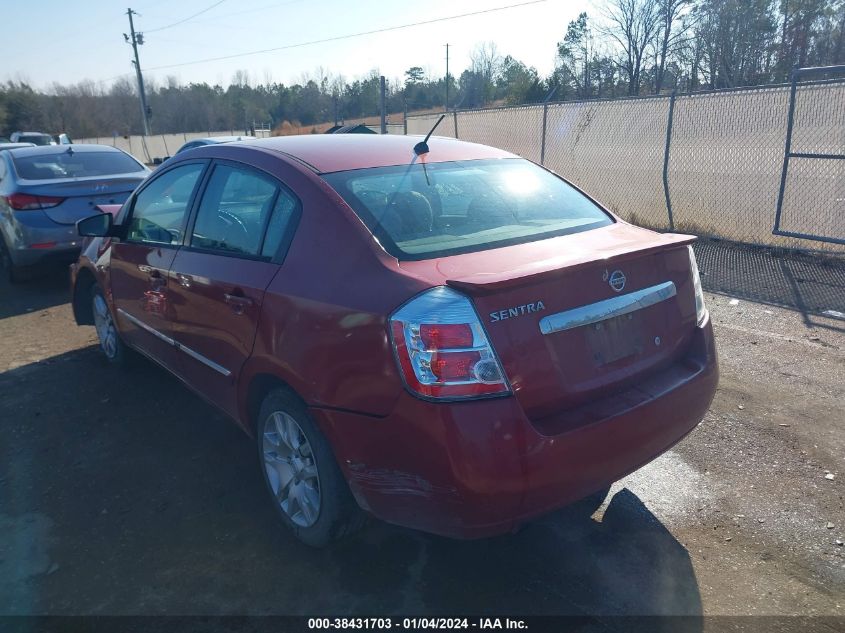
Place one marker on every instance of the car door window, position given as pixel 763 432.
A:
pixel 158 215
pixel 234 210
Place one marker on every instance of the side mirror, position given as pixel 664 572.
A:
pixel 99 225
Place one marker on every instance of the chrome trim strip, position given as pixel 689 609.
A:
pixel 205 361
pixel 607 309
pixel 146 327
pixel 195 355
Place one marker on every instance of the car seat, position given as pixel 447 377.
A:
pixel 408 215
pixel 490 209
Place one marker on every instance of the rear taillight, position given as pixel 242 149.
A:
pixel 700 308
pixel 27 202
pixel 442 350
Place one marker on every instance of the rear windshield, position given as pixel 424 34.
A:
pixel 419 212
pixel 74 165
pixel 37 139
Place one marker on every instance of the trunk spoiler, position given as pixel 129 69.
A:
pixel 486 283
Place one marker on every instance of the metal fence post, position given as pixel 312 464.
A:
pixel 666 160
pixel 455 113
pixel 545 118
pixel 787 152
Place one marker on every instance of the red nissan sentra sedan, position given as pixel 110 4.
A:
pixel 455 340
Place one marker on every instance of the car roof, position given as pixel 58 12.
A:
pixel 16 145
pixel 326 153
pixel 41 150
pixel 223 139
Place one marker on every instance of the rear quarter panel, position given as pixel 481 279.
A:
pixel 323 326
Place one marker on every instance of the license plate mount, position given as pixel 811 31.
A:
pixel 613 339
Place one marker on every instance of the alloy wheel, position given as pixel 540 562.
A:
pixel 291 469
pixel 103 323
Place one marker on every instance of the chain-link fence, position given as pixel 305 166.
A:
pixel 706 163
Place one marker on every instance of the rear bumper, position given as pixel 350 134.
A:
pixel 54 255
pixel 55 243
pixel 476 469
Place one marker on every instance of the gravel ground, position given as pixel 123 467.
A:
pixel 123 493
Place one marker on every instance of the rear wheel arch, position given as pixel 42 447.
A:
pixel 260 385
pixel 259 376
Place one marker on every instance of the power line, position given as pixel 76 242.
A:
pixel 348 36
pixel 275 5
pixel 190 17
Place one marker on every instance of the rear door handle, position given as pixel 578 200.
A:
pixel 157 280
pixel 238 302
pixel 184 280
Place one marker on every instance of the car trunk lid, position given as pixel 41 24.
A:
pixel 81 196
pixel 564 333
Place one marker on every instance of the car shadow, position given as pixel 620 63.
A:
pixel 810 284
pixel 626 563
pixel 123 493
pixel 48 289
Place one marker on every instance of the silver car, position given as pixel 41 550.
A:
pixel 213 140
pixel 36 138
pixel 43 192
pixel 4 145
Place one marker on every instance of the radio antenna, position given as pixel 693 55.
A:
pixel 422 147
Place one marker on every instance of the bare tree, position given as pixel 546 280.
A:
pixel 672 28
pixel 240 78
pixel 485 64
pixel 632 24
pixel 736 38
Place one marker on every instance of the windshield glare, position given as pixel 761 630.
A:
pixel 420 212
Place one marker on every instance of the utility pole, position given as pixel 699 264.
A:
pixel 136 39
pixel 383 105
pixel 447 78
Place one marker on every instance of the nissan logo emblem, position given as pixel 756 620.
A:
pixel 617 280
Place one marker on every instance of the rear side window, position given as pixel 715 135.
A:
pixel 74 165
pixel 235 208
pixel 424 211
pixel 158 214
pixel 280 221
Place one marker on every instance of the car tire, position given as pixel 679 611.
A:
pixel 301 473
pixel 13 274
pixel 113 348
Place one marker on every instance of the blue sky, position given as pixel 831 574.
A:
pixel 46 41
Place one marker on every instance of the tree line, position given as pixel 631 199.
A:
pixel 627 48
